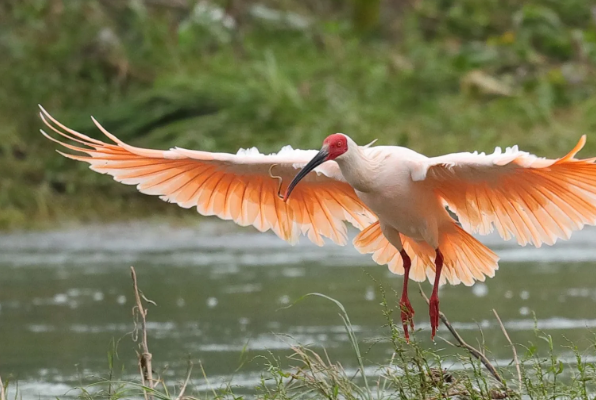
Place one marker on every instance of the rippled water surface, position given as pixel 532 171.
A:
pixel 222 290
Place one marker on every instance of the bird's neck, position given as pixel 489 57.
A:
pixel 357 169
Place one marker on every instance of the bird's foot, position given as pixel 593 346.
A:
pixel 407 316
pixel 434 314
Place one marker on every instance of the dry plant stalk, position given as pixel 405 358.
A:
pixel 185 384
pixel 145 357
pixel 519 375
pixel 473 351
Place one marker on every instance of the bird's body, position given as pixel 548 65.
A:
pixel 390 194
pixel 395 196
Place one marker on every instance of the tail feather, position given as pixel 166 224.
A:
pixel 466 259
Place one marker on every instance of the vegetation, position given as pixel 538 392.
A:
pixel 412 372
pixel 437 76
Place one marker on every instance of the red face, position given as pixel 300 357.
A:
pixel 334 146
pixel 337 145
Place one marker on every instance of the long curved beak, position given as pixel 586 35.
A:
pixel 317 160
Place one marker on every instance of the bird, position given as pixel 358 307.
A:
pixel 418 215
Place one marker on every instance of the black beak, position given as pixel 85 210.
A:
pixel 317 160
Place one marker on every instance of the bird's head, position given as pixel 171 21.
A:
pixel 334 146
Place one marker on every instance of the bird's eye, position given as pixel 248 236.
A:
pixel 338 144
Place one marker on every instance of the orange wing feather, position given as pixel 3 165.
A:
pixel 237 187
pixel 534 199
pixel 466 259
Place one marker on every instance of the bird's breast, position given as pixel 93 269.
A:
pixel 410 208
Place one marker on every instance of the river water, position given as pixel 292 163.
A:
pixel 222 291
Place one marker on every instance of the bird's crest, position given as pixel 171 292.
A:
pixel 371 143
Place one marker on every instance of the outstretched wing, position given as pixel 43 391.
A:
pixel 537 200
pixel 237 187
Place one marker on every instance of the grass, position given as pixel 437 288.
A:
pixel 437 76
pixel 413 371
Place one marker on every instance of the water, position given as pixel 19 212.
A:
pixel 222 290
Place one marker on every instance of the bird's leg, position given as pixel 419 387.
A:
pixel 407 312
pixel 434 298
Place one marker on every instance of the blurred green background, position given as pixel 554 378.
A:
pixel 434 75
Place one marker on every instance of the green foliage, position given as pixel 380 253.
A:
pixel 438 76
pixel 366 15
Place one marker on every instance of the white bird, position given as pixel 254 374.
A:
pixel 395 196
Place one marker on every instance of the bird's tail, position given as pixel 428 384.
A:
pixel 466 259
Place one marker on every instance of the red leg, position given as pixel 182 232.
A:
pixel 407 312
pixel 434 298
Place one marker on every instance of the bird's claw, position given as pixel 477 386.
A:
pixel 434 315
pixel 407 316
